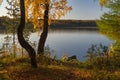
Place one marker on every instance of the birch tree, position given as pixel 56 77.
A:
pixel 21 39
pixel 47 10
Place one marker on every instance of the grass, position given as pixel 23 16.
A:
pixel 50 69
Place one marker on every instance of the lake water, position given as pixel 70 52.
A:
pixel 72 42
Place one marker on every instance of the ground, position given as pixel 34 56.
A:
pixel 50 69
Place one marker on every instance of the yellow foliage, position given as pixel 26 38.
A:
pixel 35 10
pixel 104 2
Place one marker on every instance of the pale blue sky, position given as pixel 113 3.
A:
pixel 82 10
pixel 85 10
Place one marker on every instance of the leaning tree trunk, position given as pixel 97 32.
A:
pixel 21 39
pixel 44 34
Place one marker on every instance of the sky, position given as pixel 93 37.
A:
pixel 81 10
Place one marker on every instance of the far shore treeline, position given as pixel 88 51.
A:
pixel 61 24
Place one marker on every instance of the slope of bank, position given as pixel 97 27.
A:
pixel 51 69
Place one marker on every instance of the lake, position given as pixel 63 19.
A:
pixel 69 41
pixel 72 41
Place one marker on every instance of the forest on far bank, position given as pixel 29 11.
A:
pixel 5 23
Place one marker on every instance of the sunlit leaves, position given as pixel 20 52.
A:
pixel 59 9
pixel 103 2
pixel 110 21
pixel 35 10
pixel 110 25
pixel 106 2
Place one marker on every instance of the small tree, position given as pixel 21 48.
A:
pixel 13 12
pixel 109 25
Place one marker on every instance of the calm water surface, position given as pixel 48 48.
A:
pixel 72 42
pixel 69 42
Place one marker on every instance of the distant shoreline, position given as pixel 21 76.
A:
pixel 74 24
pixel 75 28
pixel 69 24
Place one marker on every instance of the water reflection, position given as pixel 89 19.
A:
pixel 73 42
pixel 70 41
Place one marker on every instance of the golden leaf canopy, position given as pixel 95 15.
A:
pixel 35 10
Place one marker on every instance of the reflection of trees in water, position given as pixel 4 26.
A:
pixel 7 46
pixel 110 25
